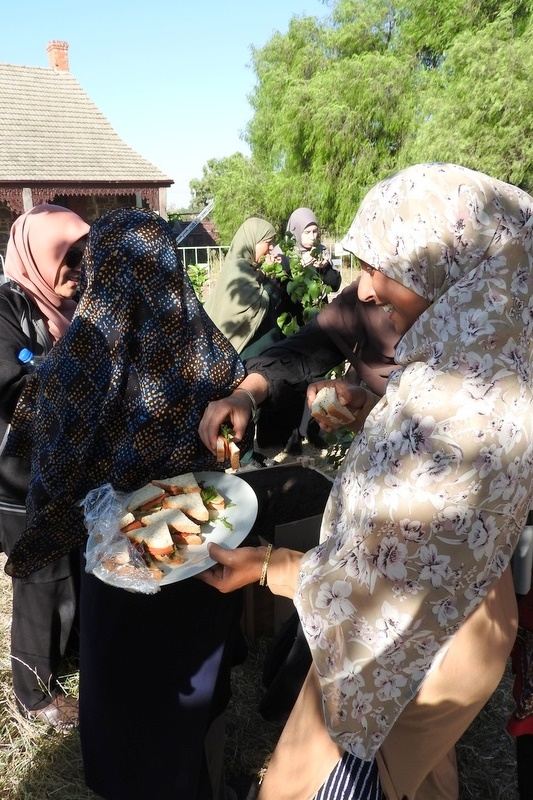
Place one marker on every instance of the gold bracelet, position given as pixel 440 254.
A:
pixel 262 579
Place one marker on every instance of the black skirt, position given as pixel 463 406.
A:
pixel 154 674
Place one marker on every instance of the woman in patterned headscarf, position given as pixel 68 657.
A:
pixel 408 602
pixel 119 402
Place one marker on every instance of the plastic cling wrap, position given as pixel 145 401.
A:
pixel 109 554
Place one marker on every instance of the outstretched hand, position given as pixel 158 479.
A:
pixel 349 395
pixel 234 568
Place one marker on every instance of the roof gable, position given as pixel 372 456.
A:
pixel 50 130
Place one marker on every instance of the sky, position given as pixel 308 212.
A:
pixel 172 77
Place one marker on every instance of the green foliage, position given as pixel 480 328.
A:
pixel 241 191
pixel 342 102
pixel 303 284
pixel 197 276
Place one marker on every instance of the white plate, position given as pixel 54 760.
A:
pixel 241 516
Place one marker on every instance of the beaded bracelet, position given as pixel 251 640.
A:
pixel 255 410
pixel 262 579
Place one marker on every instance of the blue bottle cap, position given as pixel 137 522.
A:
pixel 25 355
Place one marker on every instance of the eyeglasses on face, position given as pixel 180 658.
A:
pixel 73 257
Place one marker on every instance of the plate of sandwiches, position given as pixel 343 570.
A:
pixel 169 523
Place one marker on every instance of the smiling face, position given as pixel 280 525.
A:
pixel 68 275
pixel 402 304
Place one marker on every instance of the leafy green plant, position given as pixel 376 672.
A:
pixel 197 276
pixel 303 284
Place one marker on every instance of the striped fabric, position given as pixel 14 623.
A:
pixel 352 779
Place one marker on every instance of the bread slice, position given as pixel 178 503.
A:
pixel 234 456
pixel 221 449
pixel 175 519
pixel 179 484
pixel 126 520
pixel 144 497
pixel 190 503
pixel 327 409
pixel 157 538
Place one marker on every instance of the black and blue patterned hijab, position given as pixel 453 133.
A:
pixel 120 398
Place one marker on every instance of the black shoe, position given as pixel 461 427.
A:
pixel 316 440
pixel 294 445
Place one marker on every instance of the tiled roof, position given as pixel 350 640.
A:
pixel 50 130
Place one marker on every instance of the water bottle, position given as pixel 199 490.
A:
pixel 522 561
pixel 27 357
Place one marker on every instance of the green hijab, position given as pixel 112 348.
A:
pixel 239 300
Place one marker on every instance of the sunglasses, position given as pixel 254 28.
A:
pixel 73 258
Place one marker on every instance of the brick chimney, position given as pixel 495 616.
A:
pixel 58 55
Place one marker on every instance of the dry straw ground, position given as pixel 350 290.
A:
pixel 36 763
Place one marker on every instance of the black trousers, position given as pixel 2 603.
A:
pixel 43 614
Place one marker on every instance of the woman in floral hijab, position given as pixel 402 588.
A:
pixel 408 602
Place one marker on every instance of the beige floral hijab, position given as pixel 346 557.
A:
pixel 434 491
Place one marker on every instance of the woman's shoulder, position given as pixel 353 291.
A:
pixel 10 292
pixel 10 295
pixel 15 304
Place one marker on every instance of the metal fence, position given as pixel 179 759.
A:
pixel 210 258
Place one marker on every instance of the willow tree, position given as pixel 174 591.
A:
pixel 380 84
pixel 477 109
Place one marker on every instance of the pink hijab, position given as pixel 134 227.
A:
pixel 38 243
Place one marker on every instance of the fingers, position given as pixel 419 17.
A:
pixel 219 554
pixel 234 411
pixel 209 427
pixel 234 568
pixel 314 388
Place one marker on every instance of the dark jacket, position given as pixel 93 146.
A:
pixel 21 325
pixel 346 326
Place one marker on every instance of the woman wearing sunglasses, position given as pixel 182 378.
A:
pixel 37 302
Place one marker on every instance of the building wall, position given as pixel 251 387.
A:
pixel 7 218
pixel 88 208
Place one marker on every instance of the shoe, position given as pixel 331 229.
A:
pixel 61 714
pixel 316 440
pixel 294 444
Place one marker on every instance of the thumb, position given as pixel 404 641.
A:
pixel 219 554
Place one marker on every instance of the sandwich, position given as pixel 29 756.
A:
pixel 164 530
pixel 119 561
pixel 328 410
pixel 179 484
pixel 173 518
pixel 213 500
pixel 144 498
pixel 156 537
pixel 190 503
pixel 227 450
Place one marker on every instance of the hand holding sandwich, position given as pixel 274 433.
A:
pixel 235 411
pixel 338 404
